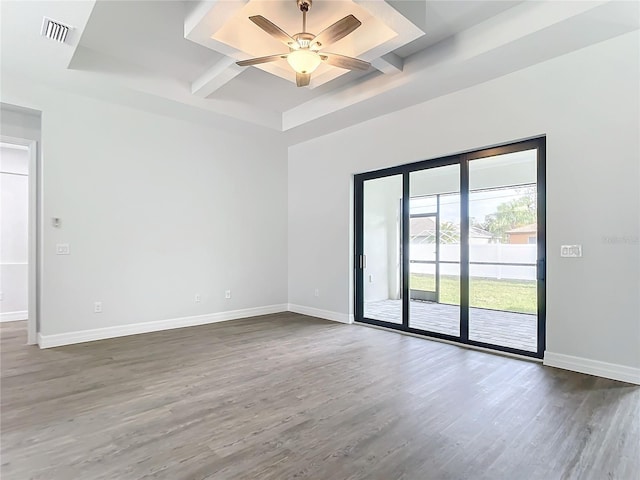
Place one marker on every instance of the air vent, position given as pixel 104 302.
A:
pixel 55 30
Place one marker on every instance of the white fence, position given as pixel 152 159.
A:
pixel 494 253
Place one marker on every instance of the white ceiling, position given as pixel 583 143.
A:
pixel 149 34
pixel 138 49
pixel 443 19
pixel 382 30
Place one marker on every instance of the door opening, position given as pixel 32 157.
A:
pixel 463 255
pixel 18 250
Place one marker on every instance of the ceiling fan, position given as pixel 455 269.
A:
pixel 304 54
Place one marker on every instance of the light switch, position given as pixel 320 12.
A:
pixel 571 251
pixel 62 249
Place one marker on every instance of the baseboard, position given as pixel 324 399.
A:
pixel 58 340
pixel 324 314
pixel 593 367
pixel 13 316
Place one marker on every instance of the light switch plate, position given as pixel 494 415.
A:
pixel 62 249
pixel 571 251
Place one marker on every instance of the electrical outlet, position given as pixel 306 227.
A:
pixel 316 292
pixel 198 298
pixel 62 249
pixel 227 294
pixel 97 307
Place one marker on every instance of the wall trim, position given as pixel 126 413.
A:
pixel 319 313
pixel 593 367
pixel 14 316
pixel 81 336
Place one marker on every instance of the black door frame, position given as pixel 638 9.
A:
pixel 538 143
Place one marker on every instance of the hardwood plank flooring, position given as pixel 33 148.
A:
pixel 292 397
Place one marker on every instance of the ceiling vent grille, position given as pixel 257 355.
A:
pixel 55 30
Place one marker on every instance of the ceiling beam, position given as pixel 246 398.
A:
pixel 214 78
pixel 389 63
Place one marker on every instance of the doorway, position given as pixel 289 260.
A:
pixel 454 248
pixel 19 259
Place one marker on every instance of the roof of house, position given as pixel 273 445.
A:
pixel 423 226
pixel 477 232
pixel 426 227
pixel 530 228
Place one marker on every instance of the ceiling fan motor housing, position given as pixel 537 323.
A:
pixel 303 39
pixel 304 5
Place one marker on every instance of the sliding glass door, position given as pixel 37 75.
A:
pixel 502 272
pixel 454 248
pixel 382 249
pixel 434 250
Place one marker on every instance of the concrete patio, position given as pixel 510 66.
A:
pixel 508 329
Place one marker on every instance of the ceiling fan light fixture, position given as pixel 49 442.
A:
pixel 304 60
pixel 304 55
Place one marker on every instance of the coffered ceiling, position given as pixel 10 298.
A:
pixel 182 54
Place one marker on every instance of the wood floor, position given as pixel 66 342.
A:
pixel 291 397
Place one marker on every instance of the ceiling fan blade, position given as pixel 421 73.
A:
pixel 335 32
pixel 274 30
pixel 341 61
pixel 303 79
pixel 258 60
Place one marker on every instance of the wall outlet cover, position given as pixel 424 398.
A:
pixel 571 251
pixel 62 249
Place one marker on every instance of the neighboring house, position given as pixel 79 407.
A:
pixel 523 235
pixel 478 235
pixel 423 230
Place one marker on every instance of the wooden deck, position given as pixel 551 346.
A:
pixel 508 329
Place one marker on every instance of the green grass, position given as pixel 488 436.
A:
pixel 508 295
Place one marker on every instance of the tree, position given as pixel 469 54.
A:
pixel 449 232
pixel 512 214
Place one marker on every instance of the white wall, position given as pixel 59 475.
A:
pixel 14 203
pixel 586 103
pixel 155 210
pixel 19 122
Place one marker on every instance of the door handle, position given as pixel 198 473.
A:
pixel 541 270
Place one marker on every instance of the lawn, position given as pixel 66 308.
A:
pixel 508 295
